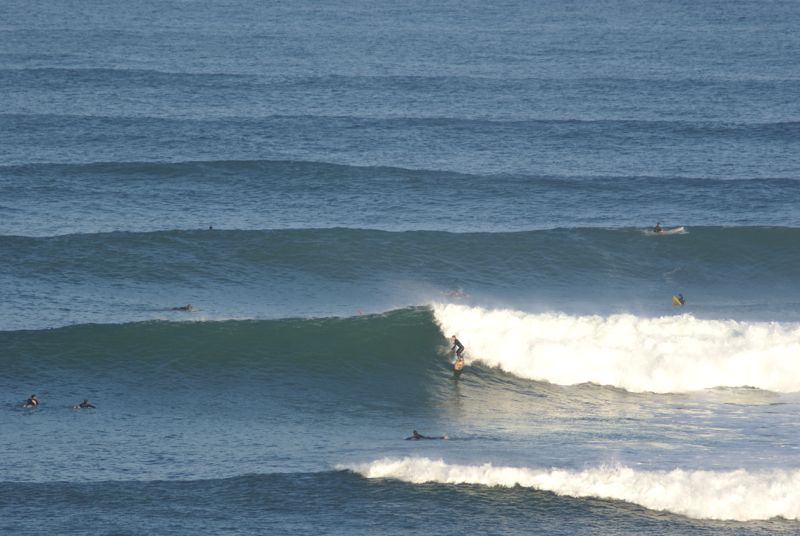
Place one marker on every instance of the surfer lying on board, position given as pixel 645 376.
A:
pixel 415 436
pixel 85 404
pixel 32 402
pixel 187 308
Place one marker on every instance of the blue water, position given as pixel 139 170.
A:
pixel 339 188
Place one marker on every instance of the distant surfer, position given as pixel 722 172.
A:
pixel 85 405
pixel 657 228
pixel 187 308
pixel 32 402
pixel 416 436
pixel 678 300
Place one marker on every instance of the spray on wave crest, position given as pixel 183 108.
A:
pixel 733 495
pixel 667 354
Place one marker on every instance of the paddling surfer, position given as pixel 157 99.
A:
pixel 416 436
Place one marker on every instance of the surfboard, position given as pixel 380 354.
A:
pixel 676 301
pixel 672 231
pixel 459 364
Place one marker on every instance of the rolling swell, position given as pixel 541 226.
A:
pixel 458 144
pixel 440 90
pixel 370 350
pixel 548 257
pixel 50 198
pixel 745 272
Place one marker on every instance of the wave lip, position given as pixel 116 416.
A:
pixel 738 495
pixel 663 355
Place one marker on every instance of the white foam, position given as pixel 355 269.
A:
pixel 668 354
pixel 733 495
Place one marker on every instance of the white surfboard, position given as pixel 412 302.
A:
pixel 672 231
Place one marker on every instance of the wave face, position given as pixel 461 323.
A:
pixel 731 495
pixel 367 353
pixel 662 354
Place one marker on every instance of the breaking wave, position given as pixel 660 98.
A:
pixel 730 495
pixel 662 354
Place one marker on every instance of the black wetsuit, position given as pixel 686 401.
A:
pixel 417 436
pixel 457 344
pixel 31 403
pixel 85 405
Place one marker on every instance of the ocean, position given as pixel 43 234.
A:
pixel 337 189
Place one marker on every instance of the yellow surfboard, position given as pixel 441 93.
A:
pixel 676 301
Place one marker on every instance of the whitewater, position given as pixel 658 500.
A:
pixel 725 495
pixel 664 354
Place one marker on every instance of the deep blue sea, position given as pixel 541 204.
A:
pixel 339 187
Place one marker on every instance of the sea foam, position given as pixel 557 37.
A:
pixel 667 354
pixel 731 495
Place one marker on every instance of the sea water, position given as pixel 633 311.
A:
pixel 339 188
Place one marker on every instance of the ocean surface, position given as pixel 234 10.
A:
pixel 339 187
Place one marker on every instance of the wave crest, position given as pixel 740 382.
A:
pixel 731 495
pixel 665 354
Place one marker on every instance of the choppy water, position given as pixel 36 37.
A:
pixel 339 188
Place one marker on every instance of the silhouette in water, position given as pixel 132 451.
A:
pixel 415 436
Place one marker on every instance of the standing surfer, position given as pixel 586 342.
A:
pixel 457 346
